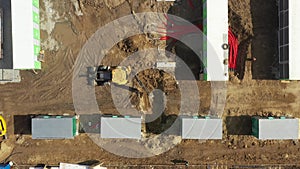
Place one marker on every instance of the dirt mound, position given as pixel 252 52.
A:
pixel 128 46
pixel 159 144
pixel 6 148
pixel 113 3
pixel 146 82
pixel 96 4
pixel 240 18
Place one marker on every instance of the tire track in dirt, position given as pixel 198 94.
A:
pixel 293 88
pixel 53 86
pixel 264 96
pixel 59 74
pixel 49 92
pixel 61 78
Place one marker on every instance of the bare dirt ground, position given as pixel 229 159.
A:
pixel 66 27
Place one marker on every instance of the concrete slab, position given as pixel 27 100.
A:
pixel 9 76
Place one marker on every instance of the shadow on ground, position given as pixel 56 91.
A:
pixel 190 11
pixel 169 125
pixel 22 124
pixel 264 43
pixel 238 125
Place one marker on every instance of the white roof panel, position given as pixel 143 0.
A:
pixel 217 35
pixel 22 34
pixel 120 127
pixel 278 129
pixel 52 128
pixel 72 166
pixel 201 128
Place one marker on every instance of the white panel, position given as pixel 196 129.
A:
pixel 294 38
pixel 72 166
pixel 166 64
pixel 52 128
pixel 278 129
pixel 201 128
pixel 121 127
pixel 217 34
pixel 22 34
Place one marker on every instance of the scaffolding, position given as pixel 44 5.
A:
pixel 283 38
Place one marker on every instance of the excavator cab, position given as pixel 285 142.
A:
pixel 104 75
pixel 2 127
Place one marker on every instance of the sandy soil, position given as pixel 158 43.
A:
pixel 66 27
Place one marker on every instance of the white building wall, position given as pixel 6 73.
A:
pixel 217 35
pixel 294 39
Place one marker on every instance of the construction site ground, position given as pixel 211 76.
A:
pixel 67 25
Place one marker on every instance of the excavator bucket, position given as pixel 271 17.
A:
pixel 120 75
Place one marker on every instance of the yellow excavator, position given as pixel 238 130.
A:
pixel 2 127
pixel 115 74
pixel 119 74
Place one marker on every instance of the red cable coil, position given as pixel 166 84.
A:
pixel 233 49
